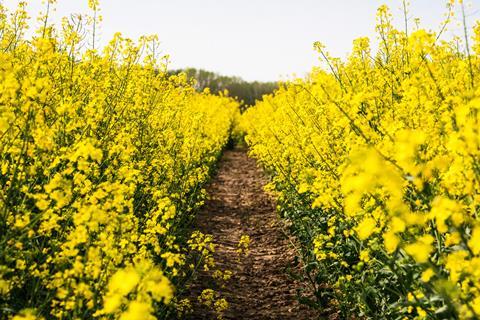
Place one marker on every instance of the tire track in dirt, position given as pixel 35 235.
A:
pixel 260 287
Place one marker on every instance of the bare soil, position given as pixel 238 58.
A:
pixel 260 287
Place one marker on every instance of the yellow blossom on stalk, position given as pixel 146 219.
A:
pixel 112 303
pixel 476 305
pixel 443 209
pixel 391 241
pixel 421 249
pixel 103 155
pixel 207 297
pixel 453 238
pixel 123 281
pixel 474 242
pixel 27 315
pixel 365 256
pixel 243 246
pixel 384 145
pixel 93 4
pixel 427 274
pixel 422 314
pixel 138 310
pixel 220 306
pixel 397 224
pixel 366 228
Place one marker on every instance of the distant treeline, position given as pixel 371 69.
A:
pixel 245 91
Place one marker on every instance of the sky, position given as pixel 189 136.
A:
pixel 264 40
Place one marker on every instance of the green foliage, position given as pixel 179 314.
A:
pixel 244 91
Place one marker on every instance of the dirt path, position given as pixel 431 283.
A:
pixel 260 288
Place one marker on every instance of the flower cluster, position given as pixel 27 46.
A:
pixel 103 158
pixel 375 162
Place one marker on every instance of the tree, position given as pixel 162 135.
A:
pixel 246 92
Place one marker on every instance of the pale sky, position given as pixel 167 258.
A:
pixel 254 39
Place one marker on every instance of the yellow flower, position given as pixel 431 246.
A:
pixel 452 239
pixel 391 241
pixel 123 281
pixel 112 303
pixel 27 315
pixel 421 313
pixel 243 246
pixel 421 249
pixel 138 310
pixel 476 305
pixel 474 242
pixel 93 4
pixel 220 305
pixel 364 256
pixel 427 274
pixel 397 225
pixel 365 228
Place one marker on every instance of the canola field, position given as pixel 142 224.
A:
pixel 103 160
pixel 374 162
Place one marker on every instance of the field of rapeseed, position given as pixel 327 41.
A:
pixel 103 158
pixel 104 155
pixel 376 164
